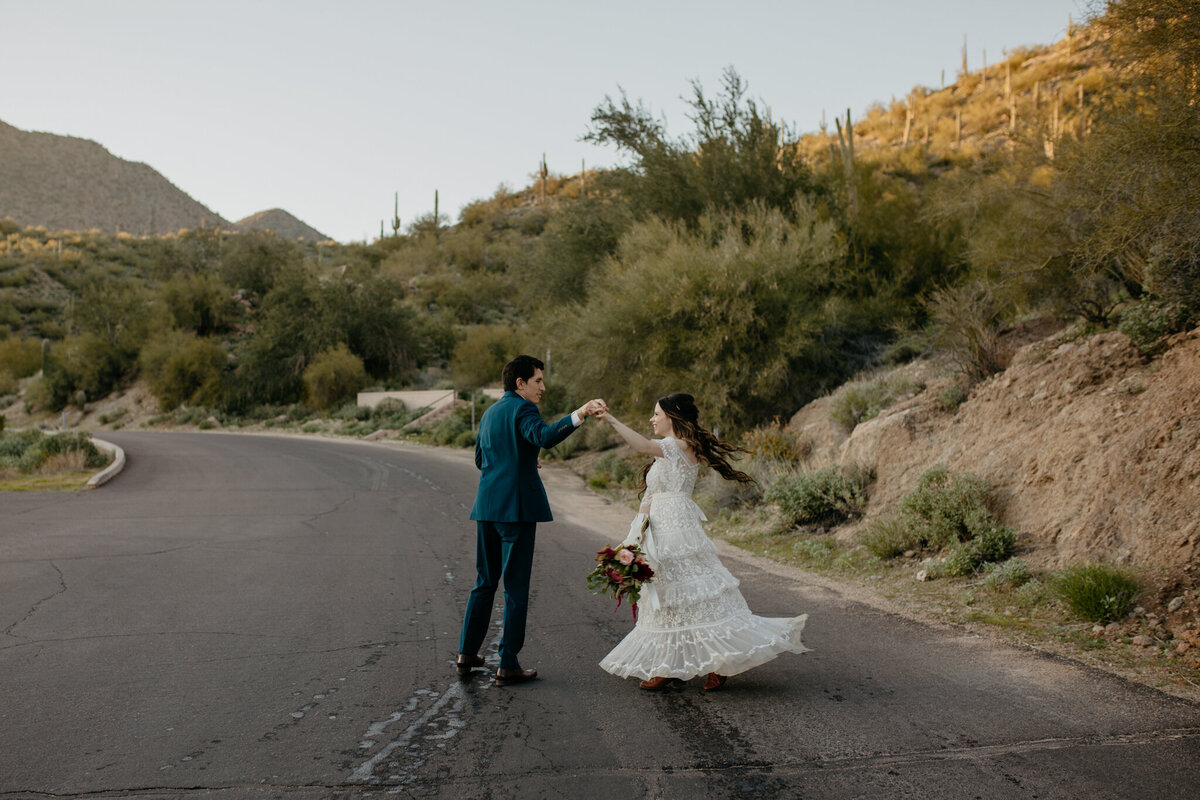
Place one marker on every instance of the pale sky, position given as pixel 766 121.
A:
pixel 327 108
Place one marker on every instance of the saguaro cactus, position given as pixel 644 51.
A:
pixel 543 171
pixel 846 142
pixel 396 216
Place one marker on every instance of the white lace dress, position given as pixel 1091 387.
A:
pixel 692 619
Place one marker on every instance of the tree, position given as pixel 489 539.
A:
pixel 736 155
pixel 738 311
pixel 334 375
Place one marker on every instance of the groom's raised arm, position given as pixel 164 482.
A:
pixel 535 430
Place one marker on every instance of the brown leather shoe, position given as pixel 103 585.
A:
pixel 714 682
pixel 466 663
pixel 654 684
pixel 507 677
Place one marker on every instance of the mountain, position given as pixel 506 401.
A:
pixel 67 183
pixel 282 223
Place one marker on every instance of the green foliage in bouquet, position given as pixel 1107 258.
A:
pixel 620 574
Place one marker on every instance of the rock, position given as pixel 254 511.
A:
pixel 1143 640
pixel 923 575
pixel 1175 604
pixel 1182 648
pixel 1097 630
pixel 1139 611
pixel 212 422
pixel 909 553
pixel 1112 628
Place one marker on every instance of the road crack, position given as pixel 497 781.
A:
pixel 62 587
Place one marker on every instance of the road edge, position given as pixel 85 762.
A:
pixel 112 470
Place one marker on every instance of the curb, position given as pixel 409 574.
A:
pixel 112 470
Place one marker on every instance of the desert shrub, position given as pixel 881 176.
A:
pixel 8 384
pixel 86 367
pixel 828 496
pixel 297 412
pixel 353 411
pixel 945 508
pixel 737 310
pixel 38 451
pixel 967 320
pixel 1010 574
pixel 952 396
pixel 20 357
pixel 1097 592
pixel 816 550
pixel 199 302
pixel 182 368
pixel 464 439
pixel 995 543
pixel 388 407
pixel 450 429
pixel 775 442
pixel 333 375
pixel 888 537
pixel 13 445
pixel 1147 322
pixel 860 401
pixel 613 470
pixel 482 353
pixel 1030 594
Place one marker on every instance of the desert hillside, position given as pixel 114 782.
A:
pixel 67 183
pixel 1092 450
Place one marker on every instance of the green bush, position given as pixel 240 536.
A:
pixel 825 497
pixel 776 442
pixel 184 369
pixel 945 509
pixel 613 470
pixel 952 396
pixel 1010 574
pixel 29 450
pixel 888 537
pixel 815 550
pixel 333 375
pixel 20 357
pixel 860 401
pixel 449 430
pixel 1097 592
pixel 993 544
pixel 353 411
pixel 1148 322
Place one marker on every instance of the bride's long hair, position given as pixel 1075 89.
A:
pixel 680 407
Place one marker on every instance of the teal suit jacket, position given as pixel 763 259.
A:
pixel 511 434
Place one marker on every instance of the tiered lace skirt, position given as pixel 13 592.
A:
pixel 699 622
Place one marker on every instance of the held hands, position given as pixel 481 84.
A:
pixel 593 408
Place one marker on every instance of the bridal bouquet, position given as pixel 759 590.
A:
pixel 621 573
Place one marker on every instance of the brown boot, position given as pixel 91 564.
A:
pixel 654 684
pixel 714 682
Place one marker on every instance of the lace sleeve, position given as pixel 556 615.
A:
pixel 670 448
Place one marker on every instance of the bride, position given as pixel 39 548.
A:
pixel 692 619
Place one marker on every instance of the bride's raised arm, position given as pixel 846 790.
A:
pixel 634 439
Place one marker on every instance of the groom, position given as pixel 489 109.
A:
pixel 508 505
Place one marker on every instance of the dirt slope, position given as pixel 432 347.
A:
pixel 1093 450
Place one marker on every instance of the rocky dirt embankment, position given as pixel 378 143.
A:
pixel 1092 449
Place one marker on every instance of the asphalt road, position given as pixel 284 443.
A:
pixel 260 617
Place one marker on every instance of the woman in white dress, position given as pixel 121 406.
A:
pixel 692 620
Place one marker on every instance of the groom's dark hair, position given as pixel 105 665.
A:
pixel 521 367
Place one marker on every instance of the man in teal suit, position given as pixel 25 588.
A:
pixel 509 503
